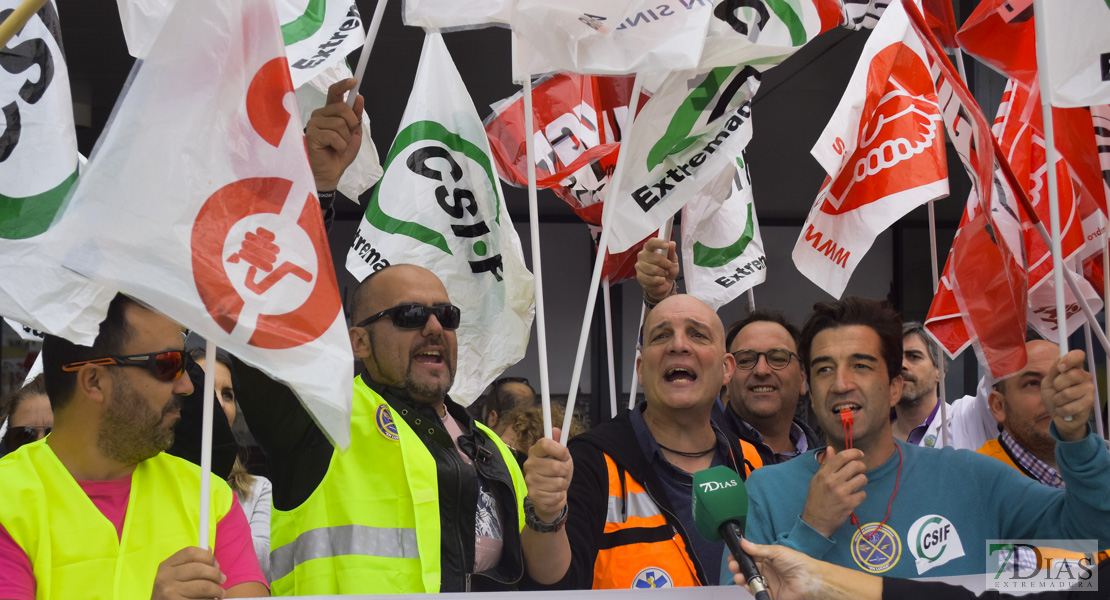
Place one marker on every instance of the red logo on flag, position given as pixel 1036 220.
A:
pixel 250 240
pixel 898 147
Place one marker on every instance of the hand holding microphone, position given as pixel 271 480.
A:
pixel 720 511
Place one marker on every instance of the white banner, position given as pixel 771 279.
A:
pixel 200 202
pixel 1077 39
pixel 38 165
pixel 439 205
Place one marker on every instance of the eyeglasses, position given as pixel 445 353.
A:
pixel 777 358
pixel 19 436
pixel 167 365
pixel 415 316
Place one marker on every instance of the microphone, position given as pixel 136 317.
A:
pixel 720 511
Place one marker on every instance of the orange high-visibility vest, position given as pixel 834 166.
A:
pixel 639 548
pixel 751 457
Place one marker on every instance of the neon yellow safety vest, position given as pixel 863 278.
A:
pixel 372 525
pixel 75 550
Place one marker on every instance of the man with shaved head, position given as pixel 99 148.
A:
pixel 630 523
pixel 424 499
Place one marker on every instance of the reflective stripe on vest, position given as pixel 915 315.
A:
pixel 639 548
pixel 345 539
pixel 751 456
pixel 372 525
pixel 75 550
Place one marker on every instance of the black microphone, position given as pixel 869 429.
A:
pixel 720 511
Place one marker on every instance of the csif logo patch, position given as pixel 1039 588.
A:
pixel 933 541
pixel 440 189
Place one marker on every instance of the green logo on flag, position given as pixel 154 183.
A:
pixel 306 25
pixel 706 256
pixel 22 218
pixel 715 89
pixel 457 203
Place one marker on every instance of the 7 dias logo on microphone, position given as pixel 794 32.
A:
pixel 1042 565
pixel 712 486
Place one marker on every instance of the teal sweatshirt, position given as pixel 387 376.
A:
pixel 949 503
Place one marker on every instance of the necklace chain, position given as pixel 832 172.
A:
pixel 688 454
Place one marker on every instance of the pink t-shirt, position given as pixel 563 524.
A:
pixel 234 547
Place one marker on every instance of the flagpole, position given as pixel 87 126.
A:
pixel 537 273
pixel 943 396
pixel 207 394
pixel 1051 157
pixel 1094 379
pixel 751 301
pixel 1106 325
pixel 605 294
pixel 364 57
pixel 599 260
pixel 633 387
pixel 17 19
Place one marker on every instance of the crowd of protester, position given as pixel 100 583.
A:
pixel 100 483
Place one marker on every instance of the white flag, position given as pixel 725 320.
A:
pixel 764 33
pixel 691 130
pixel 439 205
pixel 38 165
pixel 316 33
pixel 883 149
pixel 448 15
pixel 617 37
pixel 722 251
pixel 200 202
pixel 1077 39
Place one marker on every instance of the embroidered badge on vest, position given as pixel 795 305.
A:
pixel 650 578
pixel 877 549
pixel 930 440
pixel 386 426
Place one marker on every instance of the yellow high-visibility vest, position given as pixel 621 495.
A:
pixel 75 550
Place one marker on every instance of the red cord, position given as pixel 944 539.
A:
pixel 897 478
pixel 846 421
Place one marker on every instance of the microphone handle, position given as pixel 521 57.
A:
pixel 732 534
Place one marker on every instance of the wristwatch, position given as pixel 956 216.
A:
pixel 535 524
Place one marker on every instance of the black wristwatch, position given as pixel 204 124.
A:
pixel 535 524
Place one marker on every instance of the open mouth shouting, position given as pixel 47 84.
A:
pixel 679 375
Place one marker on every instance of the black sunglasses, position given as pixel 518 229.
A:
pixel 167 365
pixel 777 358
pixel 20 436
pixel 415 316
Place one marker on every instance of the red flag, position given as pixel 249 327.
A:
pixel 944 321
pixel 576 132
pixel 941 21
pixel 985 264
pixel 1000 33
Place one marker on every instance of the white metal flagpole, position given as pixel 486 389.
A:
pixel 1051 156
pixel 595 278
pixel 942 395
pixel 207 394
pixel 537 273
pixel 364 57
pixel 609 348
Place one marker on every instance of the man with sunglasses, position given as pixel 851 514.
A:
pixel 101 487
pixel 424 499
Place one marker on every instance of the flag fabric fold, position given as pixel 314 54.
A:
pixel 722 250
pixel 883 149
pixel 213 220
pixel 316 33
pixel 1077 41
pixel 39 164
pixel 439 205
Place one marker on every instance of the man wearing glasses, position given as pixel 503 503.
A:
pixel 424 499
pixel 97 509
pixel 764 393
